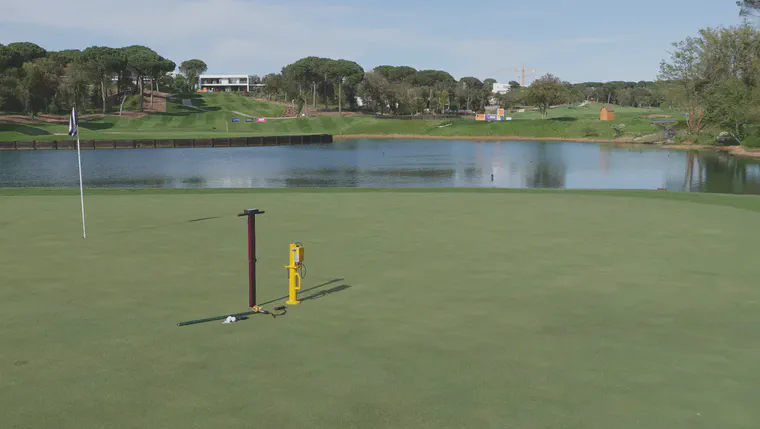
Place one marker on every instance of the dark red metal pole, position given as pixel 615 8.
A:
pixel 251 261
pixel 251 213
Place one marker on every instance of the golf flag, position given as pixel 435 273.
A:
pixel 74 131
pixel 73 122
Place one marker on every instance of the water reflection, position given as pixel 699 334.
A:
pixel 718 172
pixel 391 163
pixel 547 168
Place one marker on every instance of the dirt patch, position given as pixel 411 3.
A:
pixel 658 116
pixel 62 119
pixel 159 105
pixel 159 102
pixel 741 151
pixel 732 150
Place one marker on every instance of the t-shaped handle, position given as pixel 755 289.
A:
pixel 251 212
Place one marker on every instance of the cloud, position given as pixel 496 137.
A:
pixel 261 36
pixel 222 31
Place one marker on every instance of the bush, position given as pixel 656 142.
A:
pixel 619 129
pixel 697 139
pixel 590 131
pixel 752 141
pixel 132 103
pixel 726 139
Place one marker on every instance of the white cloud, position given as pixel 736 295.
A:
pixel 261 36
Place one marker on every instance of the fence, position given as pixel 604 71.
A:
pixel 168 143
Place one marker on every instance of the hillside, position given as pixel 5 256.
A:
pixel 210 115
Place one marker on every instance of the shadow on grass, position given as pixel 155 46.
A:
pixel 96 126
pixel 179 109
pixel 203 218
pixel 23 129
pixel 324 293
pixel 341 287
pixel 188 111
pixel 282 311
pixel 146 228
pixel 564 119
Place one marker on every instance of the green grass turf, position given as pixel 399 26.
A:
pixel 521 309
pixel 182 122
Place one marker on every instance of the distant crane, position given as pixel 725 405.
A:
pixel 522 81
pixel 522 71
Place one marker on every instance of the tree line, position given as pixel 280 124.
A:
pixel 404 90
pixel 101 78
pixel 34 80
pixel 716 77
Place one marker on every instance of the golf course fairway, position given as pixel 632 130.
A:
pixel 421 309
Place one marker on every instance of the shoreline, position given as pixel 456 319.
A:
pixel 484 138
pixel 739 151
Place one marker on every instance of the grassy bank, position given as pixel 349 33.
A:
pixel 630 309
pixel 214 121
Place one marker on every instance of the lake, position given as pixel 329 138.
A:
pixel 391 163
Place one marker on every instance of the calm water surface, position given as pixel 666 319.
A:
pixel 390 163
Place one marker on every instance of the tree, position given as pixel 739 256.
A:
pixel 273 85
pixel 443 99
pixel 732 106
pixel 341 70
pixel 39 84
pixel 688 72
pixel 375 91
pixel 471 89
pixel 101 63
pixel 159 69
pixel 730 63
pixel 574 93
pixel 513 98
pixel 9 58
pixel 513 85
pixel 748 7
pixel 29 51
pixel 351 87
pixel 545 92
pixel 191 69
pixel 487 91
pixel 430 78
pixel 72 90
pixel 141 61
pixel 65 57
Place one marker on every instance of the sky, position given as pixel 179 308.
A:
pixel 576 40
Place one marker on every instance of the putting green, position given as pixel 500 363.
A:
pixel 437 309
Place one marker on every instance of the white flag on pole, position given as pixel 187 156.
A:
pixel 74 131
pixel 73 122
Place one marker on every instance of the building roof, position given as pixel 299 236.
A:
pixel 609 108
pixel 225 75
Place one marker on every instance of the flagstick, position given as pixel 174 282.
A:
pixel 81 187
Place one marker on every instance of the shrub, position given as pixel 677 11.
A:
pixel 726 139
pixel 301 102
pixel 619 129
pixel 752 141
pixel 697 139
pixel 132 103
pixel 590 131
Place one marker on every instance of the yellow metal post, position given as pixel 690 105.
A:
pixel 294 279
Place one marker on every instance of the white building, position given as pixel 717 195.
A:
pixel 226 82
pixel 501 88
